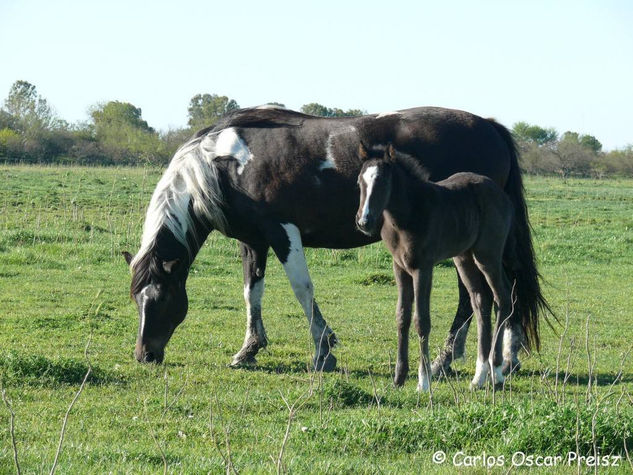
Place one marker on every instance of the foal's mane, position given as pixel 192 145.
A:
pixel 407 162
pixel 412 166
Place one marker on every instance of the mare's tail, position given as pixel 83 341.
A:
pixel 520 261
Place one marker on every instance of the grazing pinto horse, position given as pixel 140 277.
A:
pixel 275 178
pixel 467 217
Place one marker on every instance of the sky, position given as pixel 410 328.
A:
pixel 561 64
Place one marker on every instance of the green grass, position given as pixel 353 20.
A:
pixel 63 283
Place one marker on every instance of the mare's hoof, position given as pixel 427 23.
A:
pixel 243 361
pixel 325 363
pixel 439 370
pixel 511 367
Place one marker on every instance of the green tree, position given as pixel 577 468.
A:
pixel 587 141
pixel 123 135
pixel 525 132
pixel 206 109
pixel 115 114
pixel 30 115
pixel 319 110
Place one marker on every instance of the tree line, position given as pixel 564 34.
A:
pixel 117 134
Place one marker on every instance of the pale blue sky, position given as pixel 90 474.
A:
pixel 562 64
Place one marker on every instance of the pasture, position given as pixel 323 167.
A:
pixel 65 309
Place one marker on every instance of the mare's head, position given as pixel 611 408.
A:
pixel 374 181
pixel 158 288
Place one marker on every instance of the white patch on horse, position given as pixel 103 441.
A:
pixel 253 298
pixel 271 106
pixel 387 114
pixel 369 177
pixel 229 143
pixel 191 177
pixel 297 272
pixel 424 380
pixel 329 161
pixel 507 343
pixel 481 373
pixel 496 374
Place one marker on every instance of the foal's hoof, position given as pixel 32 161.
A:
pixel 401 374
pixel 511 367
pixel 325 363
pixel 399 379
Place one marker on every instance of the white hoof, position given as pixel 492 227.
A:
pixel 424 383
pixel 481 374
pixel 497 375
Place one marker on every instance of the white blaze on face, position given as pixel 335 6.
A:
pixel 369 177
pixel 229 143
pixel 142 310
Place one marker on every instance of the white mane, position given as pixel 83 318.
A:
pixel 191 177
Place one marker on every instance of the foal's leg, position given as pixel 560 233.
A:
pixel 403 321
pixel 422 289
pixel 456 339
pixel 254 266
pixel 492 268
pixel 481 302
pixel 289 249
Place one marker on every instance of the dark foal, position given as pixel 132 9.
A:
pixel 467 217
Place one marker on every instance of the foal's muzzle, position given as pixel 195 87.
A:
pixel 366 226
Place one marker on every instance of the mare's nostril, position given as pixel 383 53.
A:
pixel 148 357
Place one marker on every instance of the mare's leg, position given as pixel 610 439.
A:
pixel 254 266
pixel 403 321
pixel 481 302
pixel 492 268
pixel 456 339
pixel 288 247
pixel 422 289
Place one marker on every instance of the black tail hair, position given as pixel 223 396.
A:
pixel 521 261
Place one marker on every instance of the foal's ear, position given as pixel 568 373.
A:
pixel 170 266
pixel 128 257
pixel 390 153
pixel 362 152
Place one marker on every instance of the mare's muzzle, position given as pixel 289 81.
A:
pixel 144 353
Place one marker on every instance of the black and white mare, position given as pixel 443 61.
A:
pixel 275 178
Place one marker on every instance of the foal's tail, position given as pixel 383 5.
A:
pixel 520 261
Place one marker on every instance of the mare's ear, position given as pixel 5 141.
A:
pixel 170 266
pixel 362 152
pixel 390 153
pixel 128 257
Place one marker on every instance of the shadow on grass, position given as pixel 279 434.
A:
pixel 293 367
pixel 602 380
pixel 37 370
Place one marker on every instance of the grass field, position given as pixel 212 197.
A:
pixel 64 288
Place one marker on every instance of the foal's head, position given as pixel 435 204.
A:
pixel 374 181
